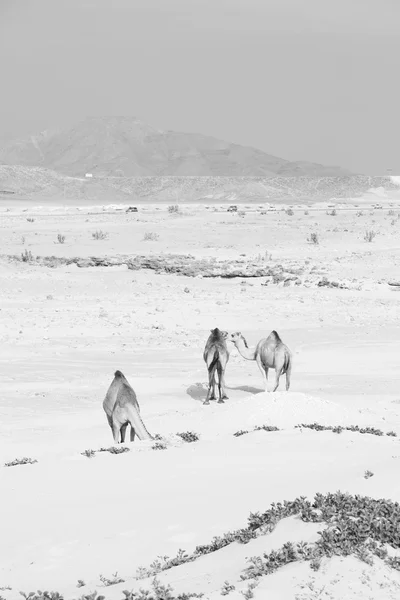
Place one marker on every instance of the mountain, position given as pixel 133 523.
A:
pixel 125 146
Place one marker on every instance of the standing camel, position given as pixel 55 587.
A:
pixel 122 408
pixel 270 353
pixel 216 357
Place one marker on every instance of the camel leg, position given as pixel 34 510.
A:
pixel 221 385
pixel 222 380
pixel 288 374
pixel 278 372
pixel 133 433
pixel 211 387
pixel 123 432
pixel 264 372
pixel 116 427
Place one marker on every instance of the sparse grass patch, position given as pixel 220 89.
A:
pixel 290 212
pixel 60 238
pixel 240 432
pixel 88 453
pixel 189 436
pixel 115 449
pixel 113 581
pixel 359 213
pixel 369 235
pixel 159 446
pixel 21 461
pixel 150 236
pixel 173 208
pixel 313 239
pixel 99 235
pixel 27 256
pixel 227 588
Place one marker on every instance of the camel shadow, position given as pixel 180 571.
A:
pixel 197 391
pixel 246 388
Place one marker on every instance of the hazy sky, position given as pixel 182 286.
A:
pixel 311 80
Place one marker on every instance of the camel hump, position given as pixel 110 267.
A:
pixel 119 374
pixel 275 334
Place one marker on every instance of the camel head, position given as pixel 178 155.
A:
pixel 237 337
pixel 218 333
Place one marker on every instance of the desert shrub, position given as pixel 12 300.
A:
pixel 240 432
pixel 26 256
pixel 43 595
pixel 227 588
pixel 113 581
pixel 99 235
pixel 368 474
pixel 340 428
pixel 391 213
pixel 290 212
pixel 313 239
pixel 306 212
pixel 189 436
pixel 23 240
pixel 256 428
pixel 80 583
pixel 359 213
pixel 173 208
pixel 248 592
pixel 115 449
pixel 21 461
pixel 60 238
pixel 266 428
pixel 356 525
pixel 159 446
pixel 369 235
pixel 88 453
pixel 150 236
pixel 30 220
pixel 331 213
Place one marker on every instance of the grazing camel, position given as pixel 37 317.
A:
pixel 122 408
pixel 270 353
pixel 216 357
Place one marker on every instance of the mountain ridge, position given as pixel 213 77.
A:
pixel 127 146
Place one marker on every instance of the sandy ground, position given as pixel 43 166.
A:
pixel 66 330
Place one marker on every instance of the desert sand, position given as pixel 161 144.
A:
pixel 72 517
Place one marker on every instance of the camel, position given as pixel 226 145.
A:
pixel 270 353
pixel 122 408
pixel 216 357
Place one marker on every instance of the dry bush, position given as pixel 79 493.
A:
pixel 313 239
pixel 150 236
pixel 99 235
pixel 369 235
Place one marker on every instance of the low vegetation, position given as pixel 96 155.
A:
pixel 21 461
pixel 60 238
pixel 26 256
pixel 150 236
pixel 99 235
pixel 173 208
pixel 369 235
pixel 189 436
pixel 313 239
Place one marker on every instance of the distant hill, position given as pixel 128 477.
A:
pixel 46 185
pixel 125 146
